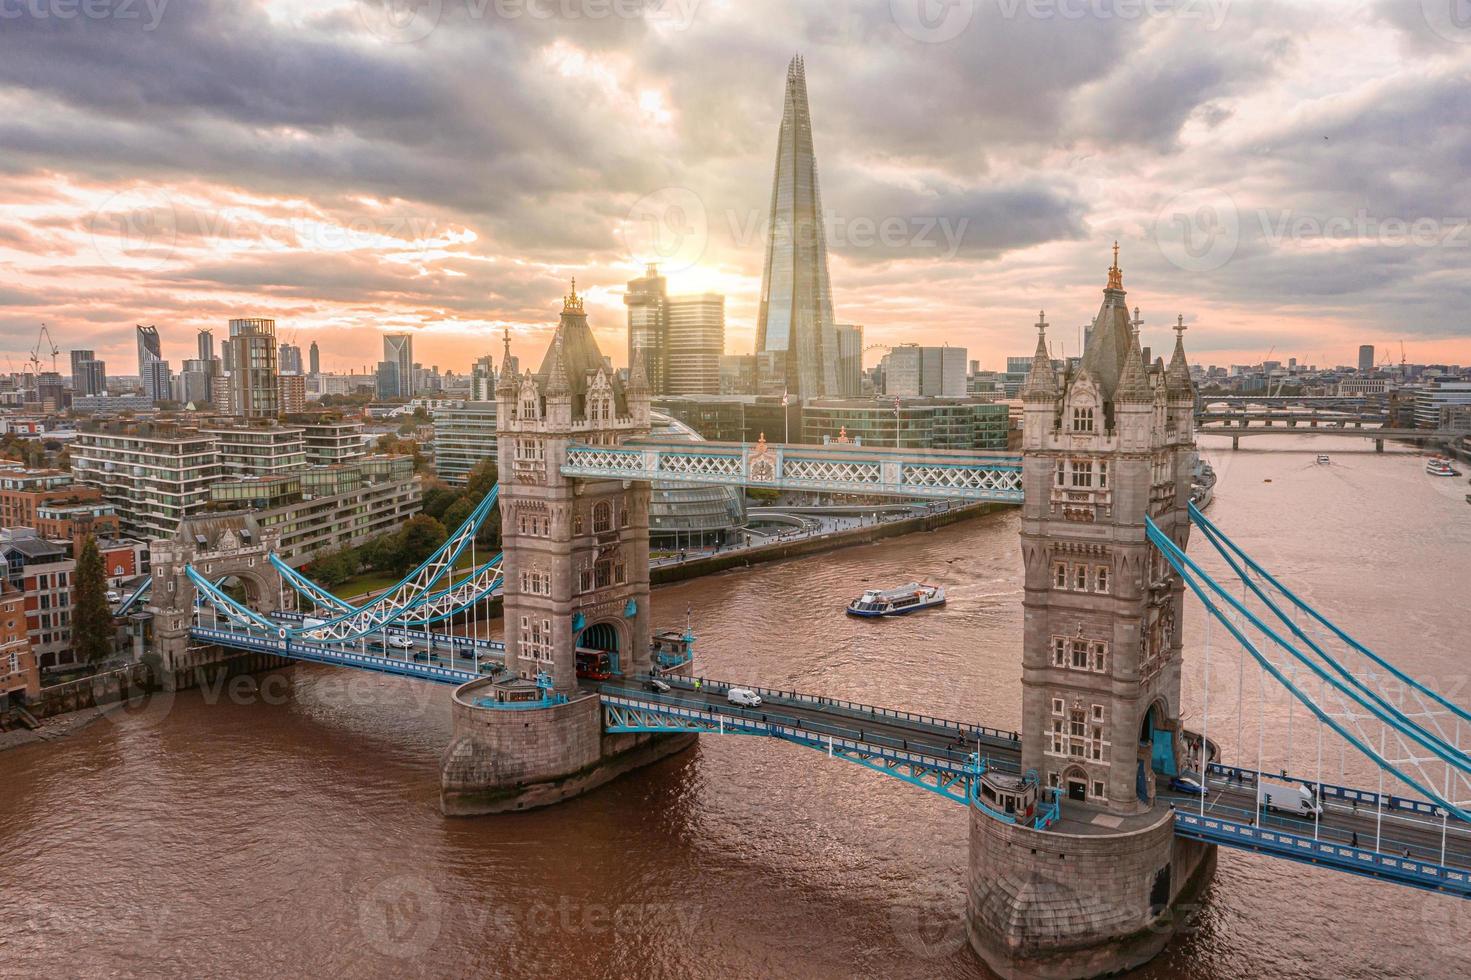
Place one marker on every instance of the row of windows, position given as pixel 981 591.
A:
pixel 1080 577
pixel 1080 654
pixel 536 638
pixel 1081 473
pixel 536 583
pixel 530 449
pixel 1078 736
pixel 603 574
pixel 539 526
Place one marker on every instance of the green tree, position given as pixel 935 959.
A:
pixel 457 513
pixel 92 629
pixel 438 498
pixel 336 567
pixel 482 477
pixel 418 539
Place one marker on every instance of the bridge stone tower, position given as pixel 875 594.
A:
pixel 228 546
pixel 1103 448
pixel 576 578
pixel 576 551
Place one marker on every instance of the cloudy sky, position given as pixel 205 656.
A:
pixel 1291 176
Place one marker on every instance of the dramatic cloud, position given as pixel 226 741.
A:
pixel 1287 173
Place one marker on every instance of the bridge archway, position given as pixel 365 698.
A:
pixel 605 636
pixel 1075 784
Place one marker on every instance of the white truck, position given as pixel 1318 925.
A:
pixel 1292 798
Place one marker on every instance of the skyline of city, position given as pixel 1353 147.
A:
pixel 988 218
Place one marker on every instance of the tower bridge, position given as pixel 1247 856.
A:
pixel 1082 834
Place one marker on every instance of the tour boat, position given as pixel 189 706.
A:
pixel 1439 466
pixel 1323 458
pixel 896 602
pixel 1202 484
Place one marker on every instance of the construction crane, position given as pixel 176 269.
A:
pixel 45 335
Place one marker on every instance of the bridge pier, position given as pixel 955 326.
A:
pixel 1051 905
pixel 508 758
pixel 1235 442
pixel 1379 445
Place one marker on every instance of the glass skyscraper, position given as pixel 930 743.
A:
pixel 796 345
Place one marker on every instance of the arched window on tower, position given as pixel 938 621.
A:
pixel 602 517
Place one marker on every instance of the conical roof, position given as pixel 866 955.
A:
pixel 1177 376
pixel 1041 381
pixel 573 359
pixel 1134 382
pixel 1112 334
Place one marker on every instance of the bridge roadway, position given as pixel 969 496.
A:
pixel 936 753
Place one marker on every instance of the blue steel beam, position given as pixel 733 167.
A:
pixel 285 647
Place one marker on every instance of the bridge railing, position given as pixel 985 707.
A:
pixel 335 656
pixel 857 709
pixel 814 734
pixel 448 639
pixel 1375 864
pixel 1329 791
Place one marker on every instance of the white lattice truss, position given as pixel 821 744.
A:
pixel 997 478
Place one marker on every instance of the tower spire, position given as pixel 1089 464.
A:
pixel 1177 375
pixel 1115 274
pixel 1041 383
pixel 572 303
pixel 1133 382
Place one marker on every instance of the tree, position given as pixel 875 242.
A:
pixel 336 567
pixel 438 498
pixel 457 513
pixel 482 477
pixel 418 539
pixel 92 629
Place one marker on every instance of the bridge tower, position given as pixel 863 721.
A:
pixel 576 579
pixel 1102 447
pixel 576 550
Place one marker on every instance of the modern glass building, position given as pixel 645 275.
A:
pixel 796 343
pixel 920 423
pixel 684 515
pixel 464 434
pixel 253 368
pixel 398 349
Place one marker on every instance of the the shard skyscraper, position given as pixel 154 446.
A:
pixel 796 345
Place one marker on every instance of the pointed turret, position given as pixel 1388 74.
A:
pixel 507 381
pixel 557 384
pixel 1041 384
pixel 1177 375
pixel 638 377
pixel 1134 382
pixel 1109 340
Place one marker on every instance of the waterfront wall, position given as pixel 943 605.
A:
pixel 136 680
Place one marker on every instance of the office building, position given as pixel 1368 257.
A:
pixel 913 423
pixel 696 338
pixel 252 366
pixel 314 359
pixel 291 393
pixel 398 350
pixel 388 387
pixel 42 572
pixel 206 345
pixel 83 375
pixel 1437 395
pixel 482 379
pixel 464 434
pixel 329 441
pixel 194 385
pixel 288 359
pixel 647 327
pixel 155 380
pixel 1366 358
pixel 850 360
pixel 738 374
pixel 795 339
pixel 912 371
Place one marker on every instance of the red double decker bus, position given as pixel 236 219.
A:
pixel 595 665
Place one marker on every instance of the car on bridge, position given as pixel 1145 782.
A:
pixel 743 697
pixel 1187 784
pixel 400 643
pixel 657 686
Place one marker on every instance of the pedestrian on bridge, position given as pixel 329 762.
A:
pixel 1355 841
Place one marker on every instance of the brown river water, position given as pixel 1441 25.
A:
pixel 291 828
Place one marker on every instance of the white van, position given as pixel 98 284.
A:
pixel 1293 798
pixel 743 696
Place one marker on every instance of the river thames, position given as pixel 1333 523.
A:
pixel 291 828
